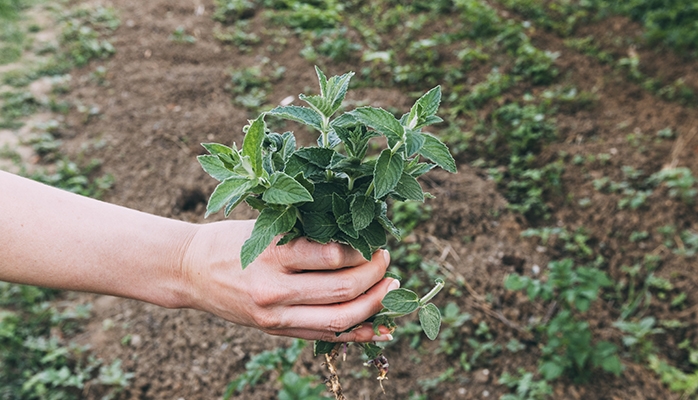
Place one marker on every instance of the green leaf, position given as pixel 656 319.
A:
pixel 550 370
pixel 252 144
pixel 436 151
pixel 215 149
pixel 403 301
pixel 231 190
pixel 413 142
pixel 323 347
pixel 387 172
pixel 299 165
pixel 283 189
pixel 336 90
pixel 358 244
pixel 214 167
pixel 304 115
pixel 382 121
pixel 347 226
pixel 320 227
pixel 424 107
pixel 362 211
pixel 374 234
pixel 430 320
pixel 386 223
pixel 320 156
pixel 409 188
pixel 271 222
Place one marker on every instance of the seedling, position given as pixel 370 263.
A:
pixel 335 191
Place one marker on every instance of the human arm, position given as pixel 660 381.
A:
pixel 53 238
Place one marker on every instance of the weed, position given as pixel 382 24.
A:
pixel 568 344
pixel 180 35
pixel 638 338
pixel 281 360
pixel 525 387
pixel 680 182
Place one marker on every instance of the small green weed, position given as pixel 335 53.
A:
pixel 525 387
pixel 280 360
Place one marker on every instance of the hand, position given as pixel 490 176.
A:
pixel 301 289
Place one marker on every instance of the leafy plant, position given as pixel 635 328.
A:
pixel 525 386
pixel 335 191
pixel 568 340
pixel 281 360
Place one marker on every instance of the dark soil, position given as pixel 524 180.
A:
pixel 162 99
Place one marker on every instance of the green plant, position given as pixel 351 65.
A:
pixel 333 192
pixel 680 182
pixel 280 360
pixel 180 35
pixel 525 386
pixel 568 346
pixel 638 336
pixel 36 361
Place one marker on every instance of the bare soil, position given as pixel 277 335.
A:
pixel 161 99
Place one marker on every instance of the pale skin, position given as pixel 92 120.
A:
pixel 52 238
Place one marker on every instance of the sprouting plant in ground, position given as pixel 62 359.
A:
pixel 251 85
pixel 279 360
pixel 638 336
pixel 525 386
pixel 567 340
pixel 678 379
pixel 482 343
pixel 335 191
pixel 36 361
pixel 680 182
pixel 180 35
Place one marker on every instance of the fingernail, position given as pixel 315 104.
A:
pixel 395 284
pixel 382 338
pixel 386 256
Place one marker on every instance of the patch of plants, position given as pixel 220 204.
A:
pixel 567 341
pixel 335 191
pixel 279 361
pixel 36 361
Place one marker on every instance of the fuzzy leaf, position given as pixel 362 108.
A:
pixel 214 167
pixel 408 188
pixel 285 190
pixel 319 227
pixel 430 320
pixel 252 144
pixel 299 165
pixel 436 151
pixel 362 211
pixel 358 244
pixel 319 156
pixel 382 121
pixel 403 301
pixel 231 190
pixel 215 149
pixel 413 142
pixel 387 172
pixel 304 115
pixel 374 234
pixel 387 224
pixel 271 222
pixel 323 347
pixel 424 107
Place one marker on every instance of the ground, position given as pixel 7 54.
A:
pixel 160 99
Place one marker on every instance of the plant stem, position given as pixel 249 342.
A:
pixel 433 292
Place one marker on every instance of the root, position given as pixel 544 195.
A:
pixel 332 382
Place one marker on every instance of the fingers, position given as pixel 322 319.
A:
pixel 303 255
pixel 364 333
pixel 337 317
pixel 338 286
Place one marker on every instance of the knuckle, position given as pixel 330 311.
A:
pixel 267 320
pixel 340 322
pixel 346 288
pixel 265 298
pixel 333 255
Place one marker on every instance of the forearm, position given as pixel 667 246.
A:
pixel 52 238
